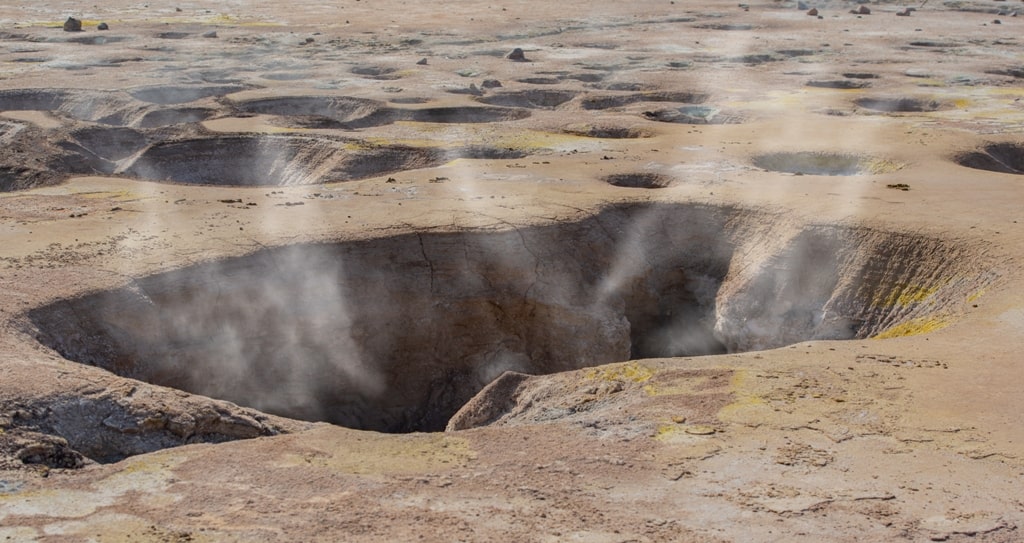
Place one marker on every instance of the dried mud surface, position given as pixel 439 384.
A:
pixel 678 272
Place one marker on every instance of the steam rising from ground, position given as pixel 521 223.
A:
pixel 395 334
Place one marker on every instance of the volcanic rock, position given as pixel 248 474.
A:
pixel 72 25
pixel 517 55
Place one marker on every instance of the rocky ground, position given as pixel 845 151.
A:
pixel 602 271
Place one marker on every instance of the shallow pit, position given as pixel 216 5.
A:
pixel 821 163
pixel 902 104
pixel 641 180
pixel 396 333
pixel 1004 157
pixel 273 160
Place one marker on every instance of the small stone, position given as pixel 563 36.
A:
pixel 422 62
pixel 102 26
pixel 864 10
pixel 72 25
pixel 210 34
pixel 490 84
pixel 516 55
pixel 904 13
pixel 813 12
pixel 997 22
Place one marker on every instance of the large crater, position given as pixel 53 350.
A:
pixel 395 334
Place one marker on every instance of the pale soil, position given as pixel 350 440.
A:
pixel 916 437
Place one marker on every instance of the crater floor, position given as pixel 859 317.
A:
pixel 356 272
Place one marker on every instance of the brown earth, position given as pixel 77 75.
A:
pixel 684 273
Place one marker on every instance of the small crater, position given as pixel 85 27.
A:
pixel 816 163
pixel 106 107
pixel 724 26
pixel 607 102
pixel 320 111
pixel 32 99
pixel 861 75
pixel 376 72
pixel 642 180
pixel 693 115
pixel 484 152
pixel 110 143
pixel 96 40
pixel 585 77
pixel 995 157
pixel 754 59
pixel 173 35
pixel 629 86
pixel 272 160
pixel 170 117
pixel 464 114
pixel 901 105
pixel 170 94
pixel 839 84
pixel 934 44
pixel 533 99
pixel 607 132
pixel 409 100
pixel 793 53
pixel 539 81
pixel 286 76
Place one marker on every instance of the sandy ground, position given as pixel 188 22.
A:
pixel 383 125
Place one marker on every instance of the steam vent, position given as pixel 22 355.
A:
pixel 381 271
